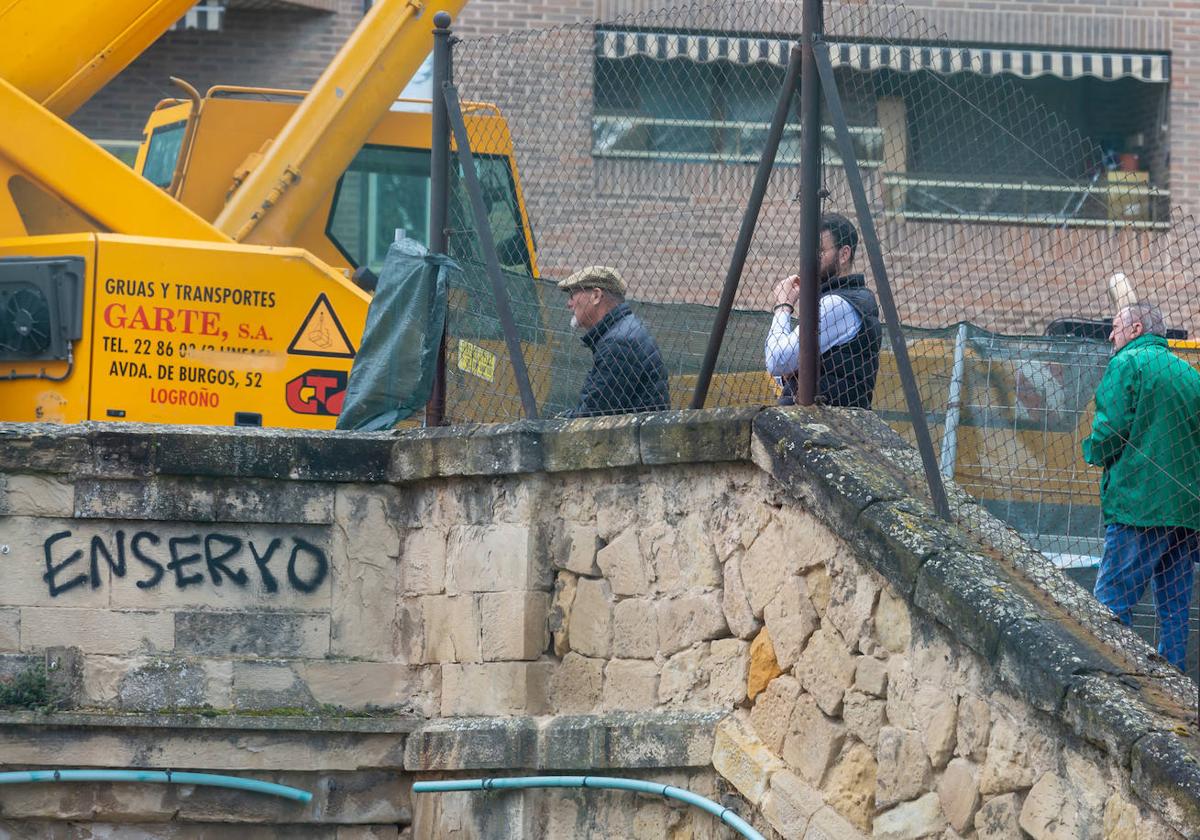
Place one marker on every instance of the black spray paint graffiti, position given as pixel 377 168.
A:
pixel 189 558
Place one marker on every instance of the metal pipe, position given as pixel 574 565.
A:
pixel 170 777
pixel 737 262
pixel 189 134
pixel 954 405
pixel 866 223
pixel 810 185
pixel 487 245
pixel 439 192
pixel 599 782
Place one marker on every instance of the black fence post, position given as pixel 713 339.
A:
pixel 439 192
pixel 866 225
pixel 812 28
pixel 737 263
pixel 487 245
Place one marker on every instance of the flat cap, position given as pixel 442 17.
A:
pixel 594 277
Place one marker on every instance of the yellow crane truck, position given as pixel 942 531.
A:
pixel 212 283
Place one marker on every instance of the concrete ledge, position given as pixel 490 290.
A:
pixel 569 742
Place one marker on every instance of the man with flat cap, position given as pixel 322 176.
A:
pixel 628 374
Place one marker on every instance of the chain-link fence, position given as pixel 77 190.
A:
pixel 1005 211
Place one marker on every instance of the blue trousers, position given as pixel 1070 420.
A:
pixel 1133 557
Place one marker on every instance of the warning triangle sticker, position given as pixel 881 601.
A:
pixel 321 334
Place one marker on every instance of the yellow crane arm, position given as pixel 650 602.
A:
pixel 327 130
pixel 60 160
pixel 60 54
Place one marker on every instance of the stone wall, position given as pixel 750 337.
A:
pixel 746 604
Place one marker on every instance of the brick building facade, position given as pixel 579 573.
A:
pixel 679 210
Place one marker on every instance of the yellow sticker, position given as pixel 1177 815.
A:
pixel 321 334
pixel 475 360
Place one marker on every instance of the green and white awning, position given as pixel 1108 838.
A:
pixel 904 58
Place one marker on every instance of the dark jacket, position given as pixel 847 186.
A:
pixel 847 372
pixel 627 374
pixel 1146 436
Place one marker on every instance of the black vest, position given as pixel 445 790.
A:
pixel 846 374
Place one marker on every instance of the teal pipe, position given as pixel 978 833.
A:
pixel 605 782
pixel 163 776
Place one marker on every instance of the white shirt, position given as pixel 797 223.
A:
pixel 837 323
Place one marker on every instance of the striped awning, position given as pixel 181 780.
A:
pixel 207 16
pixel 905 58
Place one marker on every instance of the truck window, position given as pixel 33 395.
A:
pixel 386 189
pixel 163 153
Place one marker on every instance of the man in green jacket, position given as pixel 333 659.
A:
pixel 1146 436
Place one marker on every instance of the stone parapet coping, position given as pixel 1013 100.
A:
pixel 584 743
pixel 1048 642
pixel 397 725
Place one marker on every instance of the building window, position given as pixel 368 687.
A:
pixel 948 132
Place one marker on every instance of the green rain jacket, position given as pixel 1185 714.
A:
pixel 1146 436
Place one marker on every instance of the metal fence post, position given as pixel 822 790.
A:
pixel 810 207
pixel 487 245
pixel 439 192
pixel 737 262
pixel 866 224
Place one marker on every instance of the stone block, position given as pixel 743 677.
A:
pixel 266 685
pixel 973 724
pixel 739 615
pixel 495 688
pixel 590 630
pixel 744 760
pixel 577 684
pixel 452 629
pixel 269 634
pixel 870 676
pixel 630 685
pixel 892 623
pixel 368 570
pixel 813 742
pixel 197 498
pixel 1006 766
pixel 958 789
pixel 10 630
pixel 472 744
pixel 694 437
pixel 790 803
pixel 851 605
pixel 972 596
pixel 156 685
pixel 623 565
pixel 591 443
pixel 791 619
pixel 772 712
pixel 904 771
pixel 36 495
pixel 514 625
pixel 864 716
pixel 828 824
pixel 617 507
pixel 727 665
pixel 688 619
pixel 914 820
pixel 826 669
pixel 769 561
pixel 683 676
pixel 96 631
pixel 850 786
pixel 635 629
pixel 491 558
pixel 565 587
pixel 764 667
pixel 693 562
pixel 36 542
pixel 1054 810
pixel 423 561
pixel 576 549
pixel 1166 776
pixel 650 740
pixel 364 686
pixel 818 588
pixel 998 818
pixel 938 712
